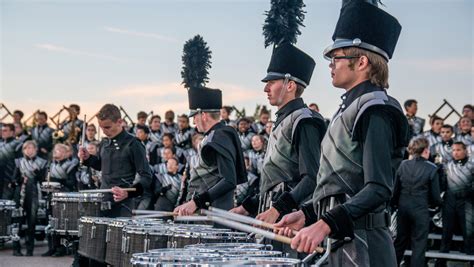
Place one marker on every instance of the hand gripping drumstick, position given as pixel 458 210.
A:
pixel 250 229
pixel 244 219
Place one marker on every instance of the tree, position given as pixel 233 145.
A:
pixel 196 62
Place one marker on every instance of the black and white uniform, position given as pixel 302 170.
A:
pixel 219 169
pixel 67 127
pixel 258 127
pixel 246 140
pixel 432 137
pixel 183 138
pixel 35 171
pixel 167 188
pixel 43 136
pixel 10 149
pixel 156 137
pixel 458 204
pixel 169 128
pixel 416 125
pixel 466 138
pixel 64 172
pixel 442 152
pixel 362 147
pixel 254 171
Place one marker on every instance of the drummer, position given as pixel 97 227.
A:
pixel 221 163
pixel 32 170
pixel 121 157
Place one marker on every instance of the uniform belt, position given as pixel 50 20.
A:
pixel 373 221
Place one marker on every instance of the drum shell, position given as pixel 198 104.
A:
pixel 6 213
pixel 142 239
pixel 92 235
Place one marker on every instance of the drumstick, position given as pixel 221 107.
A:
pixel 191 218
pixel 106 190
pixel 244 219
pixel 150 212
pixel 251 229
pixel 150 216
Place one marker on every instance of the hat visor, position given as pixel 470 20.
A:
pixel 192 113
pixel 271 77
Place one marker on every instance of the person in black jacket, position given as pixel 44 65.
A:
pixel 416 183
pixel 121 157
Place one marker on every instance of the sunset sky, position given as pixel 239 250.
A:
pixel 129 53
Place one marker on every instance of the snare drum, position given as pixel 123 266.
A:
pixel 51 187
pixel 92 233
pixel 69 207
pixel 136 239
pixel 113 238
pixel 7 208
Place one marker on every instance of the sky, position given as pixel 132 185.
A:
pixel 129 53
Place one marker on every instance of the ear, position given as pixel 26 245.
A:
pixel 291 87
pixel 363 63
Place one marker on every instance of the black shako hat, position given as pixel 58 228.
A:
pixel 204 99
pixel 366 26
pixel 288 60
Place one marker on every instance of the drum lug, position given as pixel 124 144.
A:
pixel 79 230
pixel 123 245
pixel 107 235
pixel 146 244
pixel 93 231
pixel 127 244
pixel 66 220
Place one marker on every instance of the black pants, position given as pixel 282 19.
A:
pixel 30 206
pixel 412 230
pixel 454 210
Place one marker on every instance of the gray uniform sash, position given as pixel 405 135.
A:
pixel 175 182
pixel 341 171
pixel 432 139
pixel 155 137
pixel 8 150
pixel 203 176
pixel 183 139
pixel 417 124
pixel 465 138
pixel 43 136
pixel 28 167
pixel 281 160
pixel 460 177
pixel 442 153
pixel 246 140
pixel 60 170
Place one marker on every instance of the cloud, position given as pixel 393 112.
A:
pixel 141 34
pixel 60 49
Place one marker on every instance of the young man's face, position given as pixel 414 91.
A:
pixel 167 142
pixel 141 121
pixel 183 123
pixel 412 109
pixel 16 117
pixel 468 112
pixel 458 152
pixel 141 135
pixel 110 128
pixel 59 154
pixel 274 92
pixel 198 121
pixel 197 141
pixel 41 120
pixel 172 166
pixel 18 129
pixel 436 126
pixel 465 124
pixel 446 134
pixel 155 124
pixel 341 74
pixel 7 133
pixel 264 118
pixel 268 127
